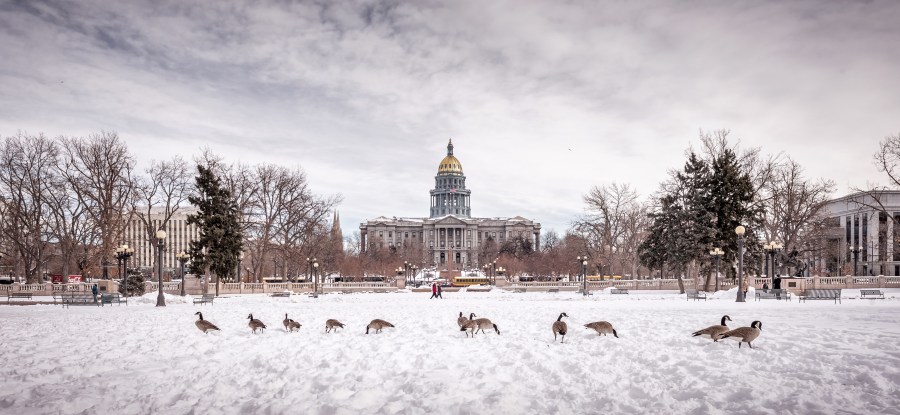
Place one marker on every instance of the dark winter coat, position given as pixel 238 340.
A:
pixel 434 288
pixel 94 289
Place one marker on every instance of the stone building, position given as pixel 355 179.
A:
pixel 178 237
pixel 860 221
pixel 450 235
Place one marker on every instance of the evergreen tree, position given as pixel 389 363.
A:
pixel 731 203
pixel 698 210
pixel 219 246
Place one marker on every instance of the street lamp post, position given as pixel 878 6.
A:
pixel 740 230
pixel 717 254
pixel 494 272
pixel 855 250
pixel 582 261
pixel 122 254
pixel 160 237
pixel 309 267
pixel 120 258
pixel 182 258
pixel 274 270
pixel 315 280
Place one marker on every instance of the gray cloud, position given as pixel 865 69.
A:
pixel 543 99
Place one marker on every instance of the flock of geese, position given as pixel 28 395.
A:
pixel 471 326
pixel 331 325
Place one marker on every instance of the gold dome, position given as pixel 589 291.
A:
pixel 450 165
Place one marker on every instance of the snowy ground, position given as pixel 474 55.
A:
pixel 817 357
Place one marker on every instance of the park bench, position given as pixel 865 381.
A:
pixel 586 292
pixel 553 290
pixel 818 294
pixel 519 290
pixel 112 298
pixel 205 298
pixel 696 295
pixel 281 294
pixel 773 295
pixel 618 291
pixel 871 294
pixel 10 296
pixel 78 299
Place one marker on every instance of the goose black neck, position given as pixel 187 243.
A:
pixel 559 318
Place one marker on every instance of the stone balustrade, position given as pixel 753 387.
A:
pixel 846 282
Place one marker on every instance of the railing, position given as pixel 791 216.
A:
pixel 847 282
pixel 357 285
pixel 168 287
pixel 832 280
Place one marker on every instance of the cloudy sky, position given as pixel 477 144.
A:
pixel 543 99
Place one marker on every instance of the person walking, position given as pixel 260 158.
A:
pixel 94 291
pixel 439 291
pixel 434 292
pixel 745 285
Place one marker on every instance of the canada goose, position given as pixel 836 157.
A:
pixel 469 327
pixel 461 319
pixel 332 324
pixel 378 324
pixel 714 332
pixel 744 334
pixel 483 323
pixel 290 324
pixel 560 327
pixel 602 327
pixel 204 325
pixel 255 324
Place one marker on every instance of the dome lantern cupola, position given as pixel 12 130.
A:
pixel 450 164
pixel 450 196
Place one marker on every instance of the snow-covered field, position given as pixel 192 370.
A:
pixel 816 357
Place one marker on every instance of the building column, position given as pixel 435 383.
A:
pixel 889 241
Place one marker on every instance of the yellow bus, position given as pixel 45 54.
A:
pixel 467 281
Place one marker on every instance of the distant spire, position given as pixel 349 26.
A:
pixel 336 224
pixel 450 148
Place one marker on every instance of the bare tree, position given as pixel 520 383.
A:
pixel 99 171
pixel 71 227
pixel 160 194
pixel 794 213
pixel 611 225
pixel 27 164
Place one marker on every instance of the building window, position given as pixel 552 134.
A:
pixel 390 234
pixel 431 244
pixel 381 233
pixel 406 234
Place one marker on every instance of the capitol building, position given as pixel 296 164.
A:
pixel 449 237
